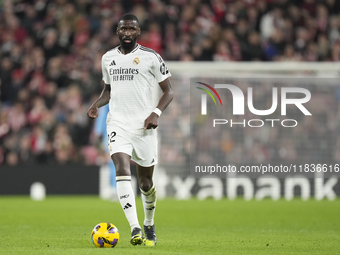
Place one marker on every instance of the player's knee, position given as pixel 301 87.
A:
pixel 122 164
pixel 145 184
pixel 122 170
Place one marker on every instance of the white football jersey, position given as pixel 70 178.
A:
pixel 132 78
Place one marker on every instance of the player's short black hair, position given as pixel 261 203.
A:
pixel 129 16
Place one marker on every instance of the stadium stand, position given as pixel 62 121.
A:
pixel 50 67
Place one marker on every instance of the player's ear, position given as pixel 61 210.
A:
pixel 139 31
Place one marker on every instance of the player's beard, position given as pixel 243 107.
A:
pixel 128 46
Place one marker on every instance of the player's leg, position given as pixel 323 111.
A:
pixel 113 182
pixel 145 155
pixel 149 198
pixel 126 196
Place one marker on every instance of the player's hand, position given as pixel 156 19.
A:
pixel 151 122
pixel 93 112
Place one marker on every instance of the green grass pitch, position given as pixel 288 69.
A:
pixel 63 224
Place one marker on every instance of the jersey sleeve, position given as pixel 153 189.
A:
pixel 106 77
pixel 159 69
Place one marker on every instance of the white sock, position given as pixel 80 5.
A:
pixel 127 200
pixel 149 203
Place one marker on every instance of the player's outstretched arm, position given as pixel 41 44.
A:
pixel 164 101
pixel 103 99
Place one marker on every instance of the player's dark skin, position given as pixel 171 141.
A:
pixel 128 32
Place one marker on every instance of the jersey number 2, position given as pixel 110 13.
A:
pixel 111 136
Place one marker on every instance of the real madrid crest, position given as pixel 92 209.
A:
pixel 136 61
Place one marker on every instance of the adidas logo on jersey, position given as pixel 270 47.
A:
pixel 113 63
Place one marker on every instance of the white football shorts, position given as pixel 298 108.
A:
pixel 140 144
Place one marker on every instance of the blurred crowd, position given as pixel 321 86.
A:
pixel 50 60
